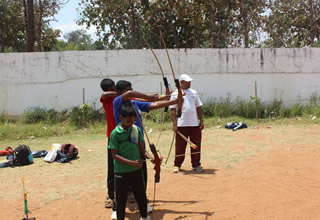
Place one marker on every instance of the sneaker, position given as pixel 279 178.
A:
pixel 114 215
pixel 108 203
pixel 176 169
pixel 131 198
pixel 149 208
pixel 147 218
pixel 198 169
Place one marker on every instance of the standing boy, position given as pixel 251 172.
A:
pixel 125 92
pixel 108 95
pixel 126 145
pixel 188 124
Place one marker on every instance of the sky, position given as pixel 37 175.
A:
pixel 67 17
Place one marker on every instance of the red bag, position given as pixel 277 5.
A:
pixel 6 152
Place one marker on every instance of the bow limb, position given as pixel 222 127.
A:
pixel 165 80
pixel 166 84
pixel 153 150
pixel 177 82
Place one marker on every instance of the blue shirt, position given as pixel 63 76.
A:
pixel 140 107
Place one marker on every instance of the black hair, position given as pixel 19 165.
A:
pixel 106 84
pixel 127 110
pixel 122 85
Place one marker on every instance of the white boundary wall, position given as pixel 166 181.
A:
pixel 57 79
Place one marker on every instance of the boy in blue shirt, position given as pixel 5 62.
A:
pixel 126 145
pixel 125 93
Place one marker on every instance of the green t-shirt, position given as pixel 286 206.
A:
pixel 127 146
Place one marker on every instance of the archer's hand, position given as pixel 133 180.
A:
pixel 154 160
pixel 174 127
pixel 201 125
pixel 153 97
pixel 179 100
pixel 136 163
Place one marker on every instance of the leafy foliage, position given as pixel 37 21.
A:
pixel 186 24
pixel 38 114
pixel 83 115
pixel 289 23
pixel 11 26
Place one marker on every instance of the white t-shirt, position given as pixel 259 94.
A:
pixel 189 107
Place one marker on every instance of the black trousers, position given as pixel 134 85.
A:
pixel 135 181
pixel 110 177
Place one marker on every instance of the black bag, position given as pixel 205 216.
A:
pixel 23 155
pixel 62 157
pixel 236 125
pixel 70 150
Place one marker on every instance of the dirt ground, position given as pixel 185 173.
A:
pixel 280 182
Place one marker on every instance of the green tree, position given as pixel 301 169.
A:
pixel 77 40
pixel 24 24
pixel 12 36
pixel 293 23
pixel 247 19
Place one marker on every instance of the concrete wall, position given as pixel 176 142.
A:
pixel 57 79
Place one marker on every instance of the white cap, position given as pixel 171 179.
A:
pixel 185 77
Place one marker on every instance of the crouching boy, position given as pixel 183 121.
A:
pixel 126 144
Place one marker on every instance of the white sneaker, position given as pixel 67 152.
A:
pixel 114 215
pixel 176 169
pixel 147 218
pixel 149 208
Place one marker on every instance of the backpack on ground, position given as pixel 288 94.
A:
pixel 236 125
pixel 23 155
pixel 52 154
pixel 70 150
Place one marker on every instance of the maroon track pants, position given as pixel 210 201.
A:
pixel 195 135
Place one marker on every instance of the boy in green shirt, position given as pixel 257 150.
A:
pixel 126 144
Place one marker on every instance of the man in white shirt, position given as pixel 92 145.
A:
pixel 188 124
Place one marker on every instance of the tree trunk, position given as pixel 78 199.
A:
pixel 245 31
pixel 196 24
pixel 212 10
pixel 311 22
pixel 39 25
pixel 2 40
pixel 2 29
pixel 213 28
pixel 25 14
pixel 173 26
pixel 30 26
pixel 133 28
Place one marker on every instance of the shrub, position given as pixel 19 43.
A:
pixel 157 116
pixel 83 115
pixel 37 114
pixel 3 118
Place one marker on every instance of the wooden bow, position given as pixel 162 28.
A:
pixel 165 80
pixel 156 158
pixel 177 82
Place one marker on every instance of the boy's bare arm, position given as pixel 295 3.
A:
pixel 135 94
pixel 161 104
pixel 117 157
pixel 161 98
pixel 108 94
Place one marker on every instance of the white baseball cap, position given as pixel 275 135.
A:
pixel 185 77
